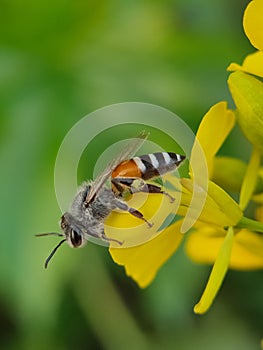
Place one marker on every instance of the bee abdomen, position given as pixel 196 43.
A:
pixel 156 164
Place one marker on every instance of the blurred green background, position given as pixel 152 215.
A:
pixel 60 60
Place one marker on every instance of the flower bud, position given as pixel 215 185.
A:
pixel 247 93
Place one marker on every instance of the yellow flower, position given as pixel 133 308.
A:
pixel 252 64
pixel 246 90
pixel 221 234
pixel 142 262
pixel 234 248
pixel 253 27
pixel 247 250
pixel 253 24
pixel 238 248
pixel 213 130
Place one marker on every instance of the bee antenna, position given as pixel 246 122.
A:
pixel 53 252
pixel 49 234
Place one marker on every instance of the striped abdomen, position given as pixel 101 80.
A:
pixel 148 166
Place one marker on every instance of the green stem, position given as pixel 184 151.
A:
pixel 250 224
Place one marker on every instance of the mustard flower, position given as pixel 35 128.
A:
pixel 241 247
pixel 247 93
pixel 253 27
pixel 221 235
pixel 245 87
pixel 220 211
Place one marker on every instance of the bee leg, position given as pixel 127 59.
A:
pixel 121 185
pixel 139 215
pixel 135 185
pixel 156 189
pixel 108 239
pixel 101 235
pixel 123 206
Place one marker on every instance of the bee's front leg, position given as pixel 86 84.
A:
pixel 99 233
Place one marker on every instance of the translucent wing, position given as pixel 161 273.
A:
pixel 127 152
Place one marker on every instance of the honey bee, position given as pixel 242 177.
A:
pixel 94 201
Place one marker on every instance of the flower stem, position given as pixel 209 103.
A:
pixel 250 224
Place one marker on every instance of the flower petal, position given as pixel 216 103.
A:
pixel 213 130
pixel 253 64
pixel 250 179
pixel 133 231
pixel 142 262
pixel 247 92
pixel 203 246
pixel 253 24
pixel 219 208
pixel 248 251
pixel 217 275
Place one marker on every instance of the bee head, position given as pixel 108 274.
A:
pixel 72 232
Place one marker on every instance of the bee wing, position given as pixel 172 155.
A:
pixel 127 152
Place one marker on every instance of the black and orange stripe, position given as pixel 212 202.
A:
pixel 148 166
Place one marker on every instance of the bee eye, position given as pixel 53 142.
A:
pixel 76 238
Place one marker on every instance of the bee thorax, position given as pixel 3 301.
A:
pixel 102 205
pixel 97 210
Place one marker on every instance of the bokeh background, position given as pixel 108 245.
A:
pixel 60 60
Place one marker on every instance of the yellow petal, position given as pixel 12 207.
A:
pixel 219 208
pixel 253 24
pixel 253 64
pixel 247 92
pixel 203 246
pixel 229 173
pixel 132 231
pixel 250 179
pixel 213 130
pixel 248 251
pixel 142 262
pixel 217 275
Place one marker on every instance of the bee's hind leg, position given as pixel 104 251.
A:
pixel 123 206
pixel 135 185
pixel 149 188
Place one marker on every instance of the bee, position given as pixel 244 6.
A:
pixel 94 201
